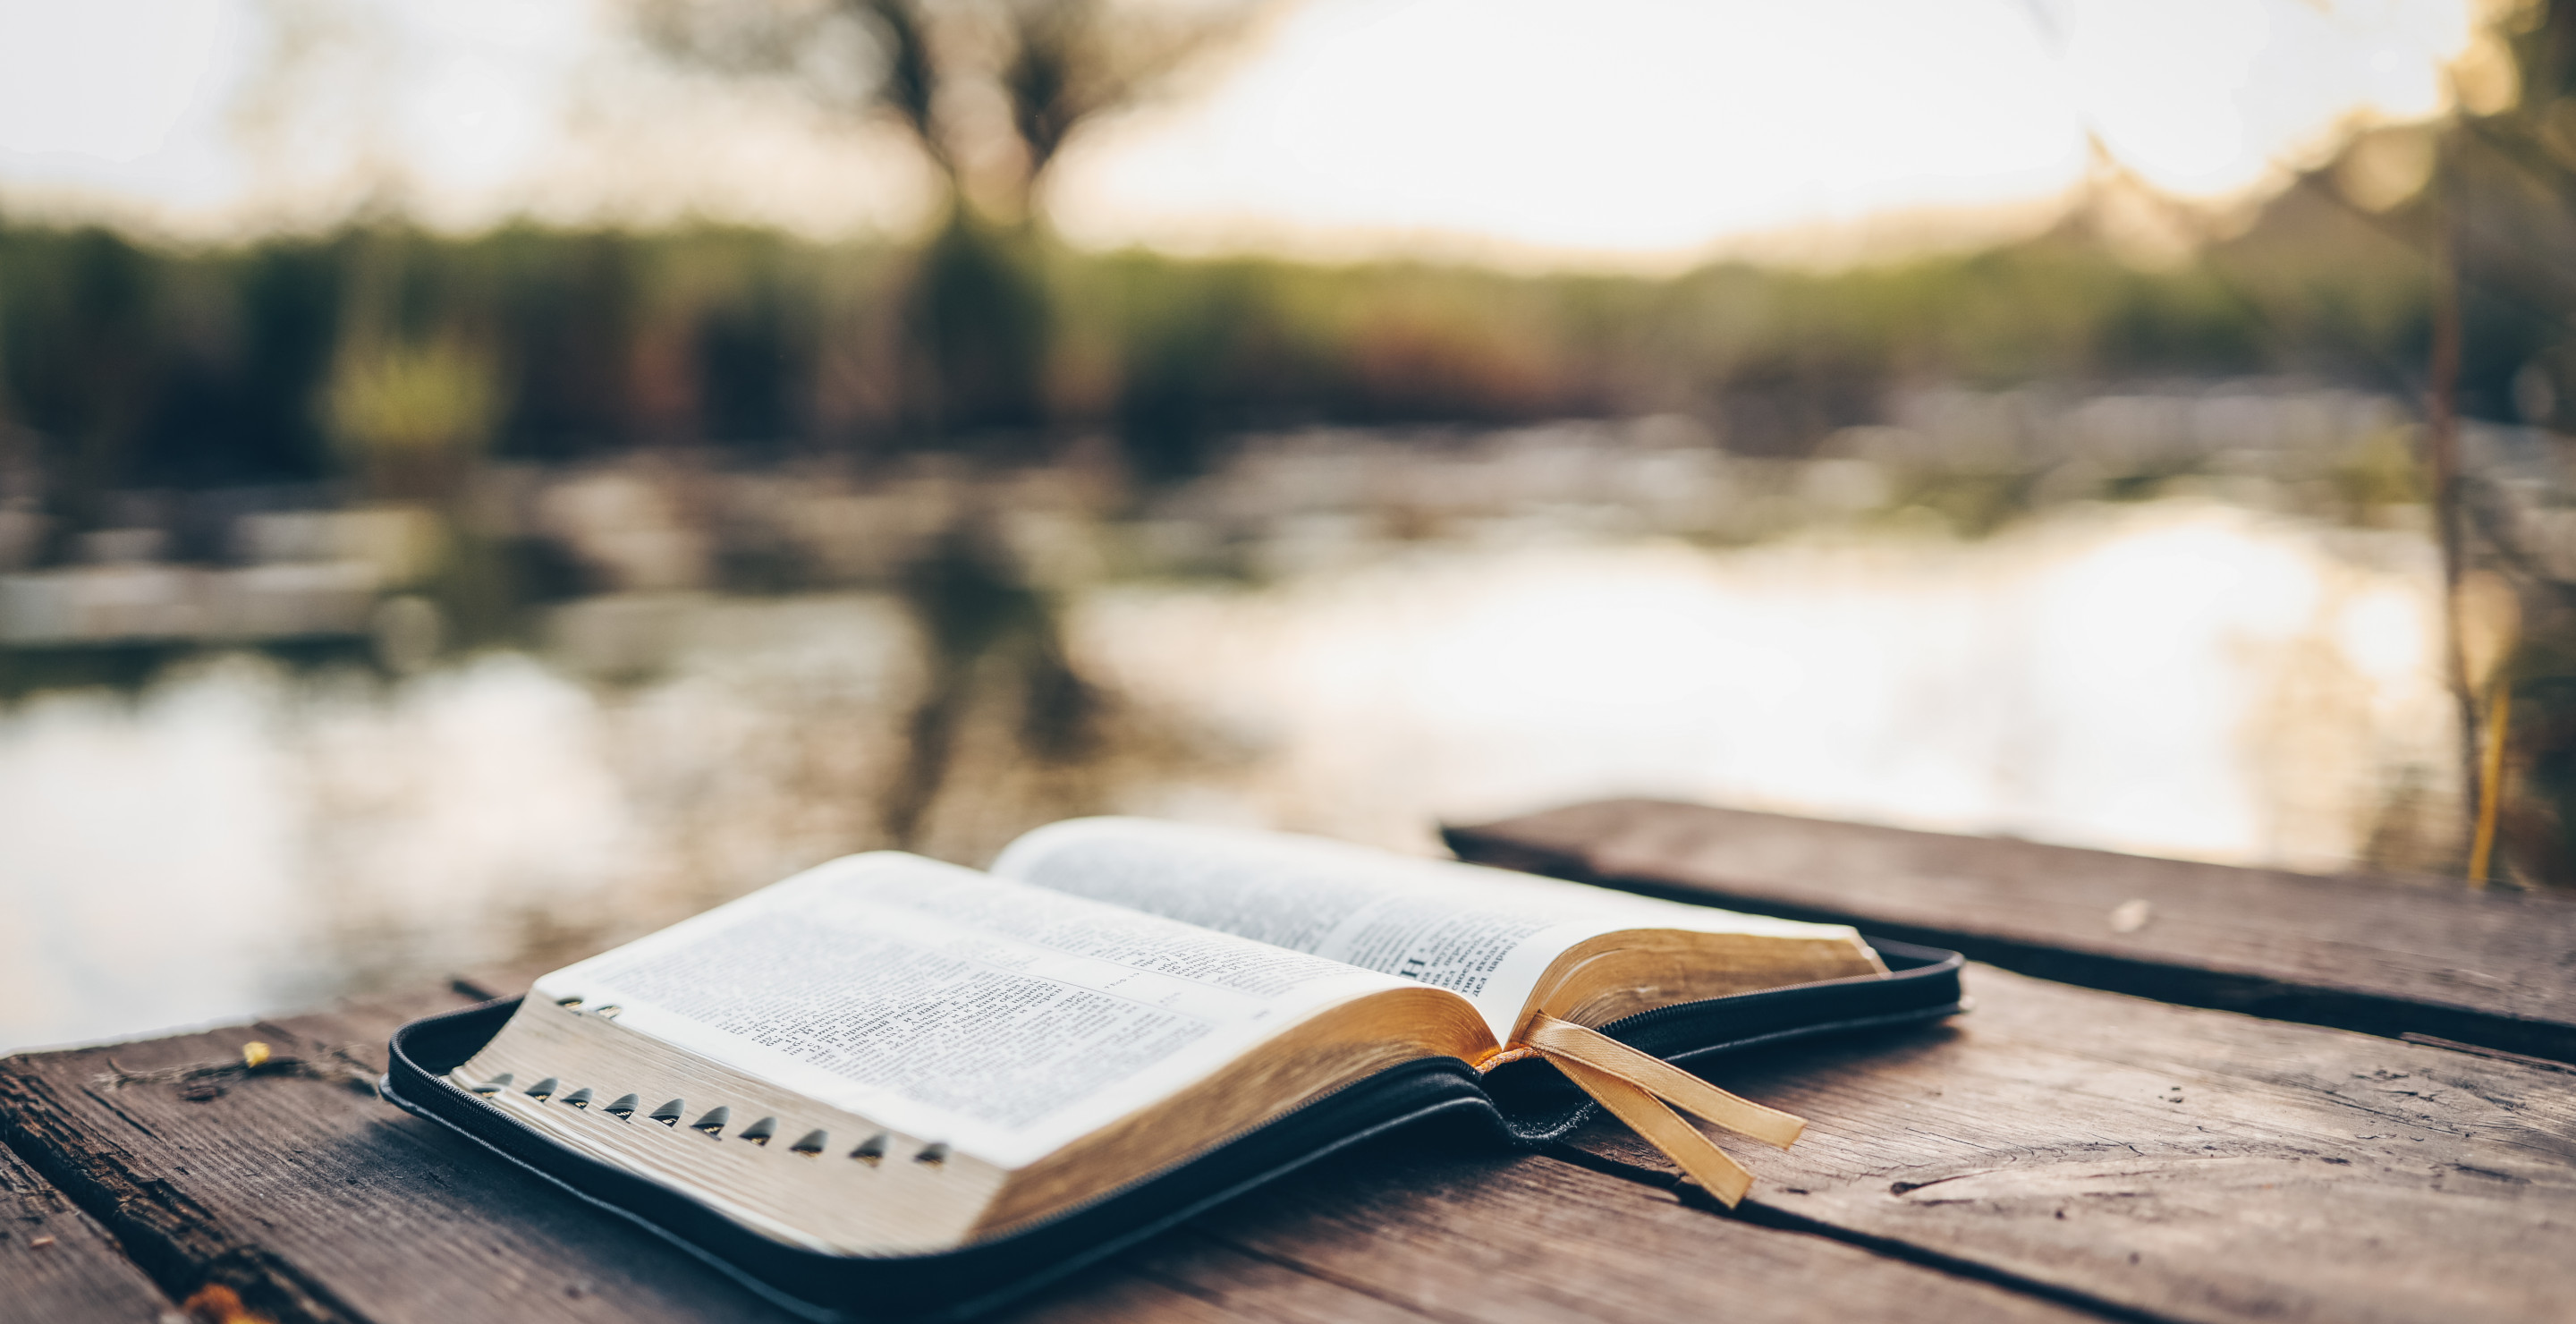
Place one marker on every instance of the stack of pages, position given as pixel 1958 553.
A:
pixel 891 1085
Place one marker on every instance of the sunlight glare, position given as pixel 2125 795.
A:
pixel 1658 129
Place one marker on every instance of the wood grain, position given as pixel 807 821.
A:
pixel 56 1263
pixel 2062 1153
pixel 2371 954
pixel 1465 1238
pixel 1187 1278
pixel 2187 1164
pixel 314 1201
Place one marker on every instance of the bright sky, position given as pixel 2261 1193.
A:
pixel 1621 132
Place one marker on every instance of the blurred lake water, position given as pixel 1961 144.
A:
pixel 2189 676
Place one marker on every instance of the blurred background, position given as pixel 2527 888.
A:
pixel 482 480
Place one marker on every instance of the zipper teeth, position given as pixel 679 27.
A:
pixel 438 1081
pixel 1625 1023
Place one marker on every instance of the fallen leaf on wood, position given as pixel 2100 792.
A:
pixel 215 1303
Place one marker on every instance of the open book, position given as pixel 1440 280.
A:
pixel 889 1056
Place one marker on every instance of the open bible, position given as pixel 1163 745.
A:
pixel 891 1060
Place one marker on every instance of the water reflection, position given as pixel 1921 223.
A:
pixel 2182 677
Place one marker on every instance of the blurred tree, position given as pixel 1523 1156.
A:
pixel 990 91
pixel 1182 360
pixel 572 306
pixel 2501 208
pixel 988 637
pixel 2483 203
pixel 81 355
pixel 290 297
pixel 413 394
pixel 413 416
pixel 752 353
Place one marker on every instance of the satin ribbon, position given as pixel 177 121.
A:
pixel 1636 1088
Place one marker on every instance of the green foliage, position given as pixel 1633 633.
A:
pixel 979 312
pixel 436 397
pixel 155 366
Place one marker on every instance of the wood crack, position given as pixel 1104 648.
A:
pixel 200 1081
pixel 178 1243
pixel 1307 1271
pixel 1774 1217
pixel 1754 1210
pixel 2375 956
pixel 128 1118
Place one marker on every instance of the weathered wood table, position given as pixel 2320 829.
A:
pixel 2186 1093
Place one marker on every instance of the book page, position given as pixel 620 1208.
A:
pixel 1488 934
pixel 1003 1019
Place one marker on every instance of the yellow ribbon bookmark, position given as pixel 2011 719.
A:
pixel 1635 1087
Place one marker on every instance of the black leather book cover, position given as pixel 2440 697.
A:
pixel 1521 1105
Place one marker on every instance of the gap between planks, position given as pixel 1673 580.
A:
pixel 2375 955
pixel 58 1263
pixel 1962 1150
pixel 2041 1145
pixel 2176 1162
pixel 1753 1210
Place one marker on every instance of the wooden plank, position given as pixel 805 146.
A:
pixel 1464 1237
pixel 1186 1278
pixel 2182 1163
pixel 312 1201
pixel 56 1263
pixel 2371 954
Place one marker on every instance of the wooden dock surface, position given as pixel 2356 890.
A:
pixel 2069 1151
